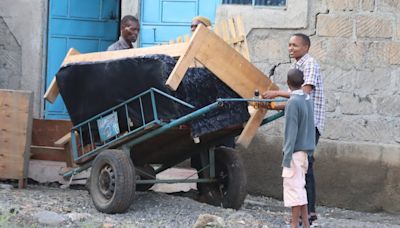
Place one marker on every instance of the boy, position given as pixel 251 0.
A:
pixel 299 143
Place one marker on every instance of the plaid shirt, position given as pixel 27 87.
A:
pixel 312 76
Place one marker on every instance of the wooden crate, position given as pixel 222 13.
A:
pixel 44 135
pixel 15 134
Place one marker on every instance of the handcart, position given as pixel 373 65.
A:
pixel 125 157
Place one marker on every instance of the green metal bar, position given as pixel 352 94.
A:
pixel 78 169
pixel 127 117
pixel 273 117
pixel 142 111
pixel 211 156
pixel 91 137
pixel 104 146
pixel 133 98
pixel 175 123
pixel 153 105
pixel 74 146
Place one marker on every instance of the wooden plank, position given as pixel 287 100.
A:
pixel 244 47
pixel 251 127
pixel 15 133
pixel 173 50
pixel 63 140
pixel 233 69
pixel 48 153
pixel 187 58
pixel 52 92
pixel 226 63
pixel 46 132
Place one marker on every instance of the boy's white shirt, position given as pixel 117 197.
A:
pixel 299 92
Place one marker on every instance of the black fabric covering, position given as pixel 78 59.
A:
pixel 90 88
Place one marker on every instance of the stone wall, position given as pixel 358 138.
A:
pixel 357 43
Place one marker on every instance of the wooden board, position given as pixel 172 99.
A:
pixel 15 133
pixel 52 92
pixel 45 133
pixel 221 59
pixel 48 153
pixel 232 32
pixel 73 56
pixel 229 66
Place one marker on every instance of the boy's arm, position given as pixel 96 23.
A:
pixel 291 129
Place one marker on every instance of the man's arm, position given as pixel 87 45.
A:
pixel 270 94
pixel 308 88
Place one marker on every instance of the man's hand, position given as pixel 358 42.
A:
pixel 270 94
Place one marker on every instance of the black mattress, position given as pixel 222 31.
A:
pixel 91 88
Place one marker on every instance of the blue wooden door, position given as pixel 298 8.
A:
pixel 86 25
pixel 165 20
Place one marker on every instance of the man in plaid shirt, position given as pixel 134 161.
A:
pixel 299 45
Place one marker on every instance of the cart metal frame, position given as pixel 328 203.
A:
pixel 147 130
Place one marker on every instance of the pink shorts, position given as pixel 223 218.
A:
pixel 294 180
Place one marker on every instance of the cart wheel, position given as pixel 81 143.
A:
pixel 112 182
pixel 230 189
pixel 149 170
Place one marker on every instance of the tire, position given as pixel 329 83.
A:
pixel 112 182
pixel 230 189
pixel 148 169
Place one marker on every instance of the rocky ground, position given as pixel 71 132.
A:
pixel 49 206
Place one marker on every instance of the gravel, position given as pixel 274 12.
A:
pixel 46 206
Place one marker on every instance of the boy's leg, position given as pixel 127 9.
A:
pixel 296 211
pixel 304 216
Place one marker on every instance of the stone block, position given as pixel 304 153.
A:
pixel 367 5
pixel 375 54
pixel 346 55
pixel 331 101
pixel 373 81
pixel 356 128
pixel 337 127
pixel 342 5
pixel 354 104
pixel 375 130
pixel 334 26
pixel 336 79
pixel 368 26
pixel 274 49
pixel 393 48
pixel 319 49
pixel 389 5
pixel 398 31
pixel 389 105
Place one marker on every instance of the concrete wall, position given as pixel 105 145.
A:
pixel 23 26
pixel 357 43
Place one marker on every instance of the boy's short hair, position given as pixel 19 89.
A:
pixel 295 78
